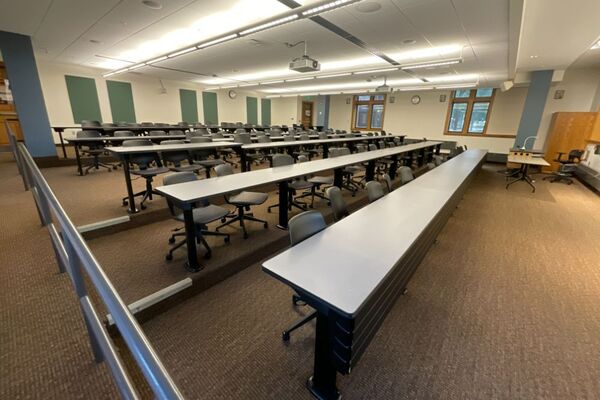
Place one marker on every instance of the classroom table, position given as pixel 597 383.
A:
pixel 186 195
pixel 352 272
pixel 124 154
pixel 60 129
pixel 76 142
pixel 325 143
pixel 523 172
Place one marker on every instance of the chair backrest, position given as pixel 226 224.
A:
pixel 361 148
pixel 264 139
pixel 109 125
pixel 388 182
pixel 289 138
pixel 260 133
pixel 224 170
pixel 276 132
pixel 338 204
pixel 240 130
pixel 123 133
pixel 406 174
pixel 302 158
pixel 175 133
pixel 437 160
pixel 323 135
pixel 146 124
pixel 175 157
pixel 88 134
pixel 90 123
pixel 304 136
pixel 372 146
pixel 143 160
pixel 137 142
pixel 374 190
pixel 343 151
pixel 575 155
pixel 304 225
pixel 430 165
pixel 242 137
pixel 200 139
pixel 180 177
pixel 157 133
pixel 218 135
pixel 172 141
pixel 280 160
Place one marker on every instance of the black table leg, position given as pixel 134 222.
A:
pixel 325 150
pixel 130 198
pixel 243 162
pixel 438 148
pixel 190 240
pixel 79 169
pixel 283 205
pixel 338 177
pixel 393 166
pixel 370 172
pixel 62 142
pixel 322 385
pixel 421 158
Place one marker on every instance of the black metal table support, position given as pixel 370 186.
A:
pixel 283 205
pixel 192 264
pixel 523 176
pixel 78 158
pixel 338 177
pixel 322 384
pixel 130 198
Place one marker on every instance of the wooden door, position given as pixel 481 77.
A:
pixel 307 114
pixel 568 131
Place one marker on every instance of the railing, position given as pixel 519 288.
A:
pixel 73 255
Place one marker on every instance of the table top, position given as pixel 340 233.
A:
pixel 528 160
pixel 170 147
pixel 317 141
pixel 191 192
pixel 343 264
pixel 123 138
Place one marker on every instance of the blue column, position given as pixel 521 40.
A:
pixel 19 60
pixel 323 111
pixel 534 107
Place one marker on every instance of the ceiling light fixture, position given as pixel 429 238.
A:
pixel 136 66
pixel 328 6
pixel 300 79
pixel 333 75
pixel 431 64
pixel 219 40
pixel 596 45
pixel 457 86
pixel 155 5
pixel 268 25
pixel 410 89
pixel 157 60
pixel 270 83
pixel 374 71
pixel 180 52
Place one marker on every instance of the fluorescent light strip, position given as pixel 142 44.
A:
pixel 596 45
pixel 375 71
pixel 271 24
pixel 334 75
pixel 156 60
pixel 430 64
pixel 247 84
pixel 136 66
pixel 328 6
pixel 219 40
pixel 180 52
pixel 270 83
pixel 410 89
pixel 456 86
pixel 228 87
pixel 300 79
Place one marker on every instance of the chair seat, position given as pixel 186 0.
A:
pixel 209 163
pixel 184 168
pixel 300 184
pixel 321 180
pixel 248 198
pixel 353 169
pixel 204 215
pixel 150 171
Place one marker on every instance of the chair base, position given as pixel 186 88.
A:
pixel 240 217
pixel 199 239
pixel 560 178
pixel 147 194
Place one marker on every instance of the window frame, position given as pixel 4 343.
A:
pixel 370 104
pixel 470 101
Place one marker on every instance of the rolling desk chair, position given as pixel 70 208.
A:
pixel 123 133
pixel 241 200
pixel 146 170
pixel 157 133
pixel 406 175
pixel 374 191
pixel 280 160
pixel 94 150
pixel 202 157
pixel 567 167
pixel 245 138
pixel 175 133
pixel 177 157
pixel 388 182
pixel 301 227
pixel 350 172
pixel 338 204
pixel 87 123
pixel 204 213
pixel 317 181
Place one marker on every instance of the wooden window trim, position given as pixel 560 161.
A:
pixel 471 100
pixel 370 103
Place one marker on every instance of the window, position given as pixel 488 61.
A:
pixel 469 111
pixel 368 112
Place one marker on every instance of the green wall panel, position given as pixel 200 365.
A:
pixel 209 106
pixel 265 111
pixel 189 105
pixel 84 98
pixel 252 110
pixel 121 101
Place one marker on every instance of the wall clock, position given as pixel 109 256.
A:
pixel 416 99
pixel 232 94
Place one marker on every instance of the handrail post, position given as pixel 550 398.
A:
pixel 81 291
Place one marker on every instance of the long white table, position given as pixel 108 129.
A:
pixel 185 195
pixel 353 271
pixel 124 154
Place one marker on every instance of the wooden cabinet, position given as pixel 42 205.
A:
pixel 7 110
pixel 568 131
pixel 595 135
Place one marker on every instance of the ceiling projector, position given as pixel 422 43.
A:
pixel 305 64
pixel 383 88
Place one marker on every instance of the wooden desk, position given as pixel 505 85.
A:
pixel 352 272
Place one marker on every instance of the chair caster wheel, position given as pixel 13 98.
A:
pixel 266 225
pixel 223 220
pixel 269 211
pixel 245 236
pixel 125 203
pixel 171 240
pixel 285 336
pixel 207 256
pixel 168 257
pixel 143 206
pixel 227 239
pixel 404 291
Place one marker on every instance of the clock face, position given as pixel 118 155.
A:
pixel 232 94
pixel 416 99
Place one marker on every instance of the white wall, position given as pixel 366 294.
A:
pixel 284 110
pixel 580 86
pixel 234 110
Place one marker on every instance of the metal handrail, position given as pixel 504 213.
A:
pixel 72 253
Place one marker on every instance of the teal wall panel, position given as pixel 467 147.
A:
pixel 83 97
pixel 120 98
pixel 189 105
pixel 209 106
pixel 252 110
pixel 265 111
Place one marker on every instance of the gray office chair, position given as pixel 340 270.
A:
pixel 149 166
pixel 388 182
pixel 567 167
pixel 157 133
pixel 318 182
pixel 86 123
pixel 301 227
pixel 123 133
pixel 203 212
pixel 406 175
pixel 241 200
pixel 374 191
pixel 352 173
pixel 203 157
pixel 175 159
pixel 338 204
pixel 438 160
pixel 245 138
pixel 94 150
pixel 280 160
